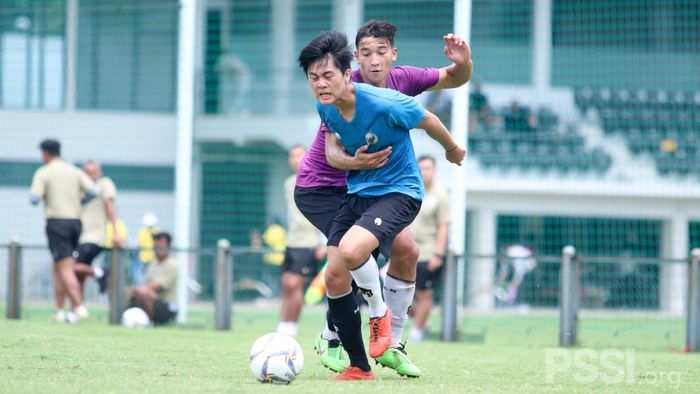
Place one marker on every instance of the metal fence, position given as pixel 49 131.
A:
pixel 599 301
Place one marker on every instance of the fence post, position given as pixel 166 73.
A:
pixel 224 280
pixel 116 288
pixel 693 324
pixel 14 281
pixel 449 298
pixel 568 297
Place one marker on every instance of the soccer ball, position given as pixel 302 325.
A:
pixel 276 358
pixel 135 318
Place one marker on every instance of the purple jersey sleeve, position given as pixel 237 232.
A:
pixel 412 81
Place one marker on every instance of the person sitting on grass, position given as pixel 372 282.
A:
pixel 158 294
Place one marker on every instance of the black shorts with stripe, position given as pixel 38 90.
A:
pixel 383 216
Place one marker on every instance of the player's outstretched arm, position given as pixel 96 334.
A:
pixel 454 152
pixel 340 159
pixel 461 69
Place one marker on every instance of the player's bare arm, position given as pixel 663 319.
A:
pixel 338 158
pixel 460 71
pixel 436 260
pixel 112 219
pixel 454 152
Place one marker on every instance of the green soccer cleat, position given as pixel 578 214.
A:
pixel 397 359
pixel 332 355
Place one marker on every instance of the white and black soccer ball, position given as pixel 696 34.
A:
pixel 276 358
pixel 136 318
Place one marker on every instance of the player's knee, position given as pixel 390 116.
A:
pixel 336 283
pixel 351 256
pixel 140 292
pixel 290 282
pixel 405 251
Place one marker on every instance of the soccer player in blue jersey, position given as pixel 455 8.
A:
pixel 380 202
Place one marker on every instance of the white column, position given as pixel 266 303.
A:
pixel 482 271
pixel 459 129
pixel 183 146
pixel 674 276
pixel 347 17
pixel 542 51
pixel 283 66
pixel 71 53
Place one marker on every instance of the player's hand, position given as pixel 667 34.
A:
pixel 320 253
pixel 363 160
pixel 434 263
pixel 117 242
pixel 456 155
pixel 456 49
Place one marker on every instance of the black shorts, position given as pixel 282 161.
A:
pixel 63 235
pixel 383 216
pixel 162 312
pixel 426 280
pixel 301 261
pixel 86 253
pixel 320 204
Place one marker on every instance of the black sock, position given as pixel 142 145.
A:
pixel 329 320
pixel 346 317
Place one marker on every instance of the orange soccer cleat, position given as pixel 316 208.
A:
pixel 380 334
pixel 354 373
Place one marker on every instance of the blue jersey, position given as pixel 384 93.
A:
pixel 383 117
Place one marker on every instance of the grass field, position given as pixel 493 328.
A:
pixel 498 354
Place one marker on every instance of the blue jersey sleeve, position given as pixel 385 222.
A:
pixel 406 112
pixel 321 113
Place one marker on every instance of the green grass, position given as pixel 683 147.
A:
pixel 499 354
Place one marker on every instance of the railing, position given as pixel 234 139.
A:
pixel 570 290
pixel 220 275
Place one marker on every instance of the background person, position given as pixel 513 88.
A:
pixel 430 231
pixel 158 295
pixel 96 216
pixel 61 186
pixel 145 256
pixel 301 257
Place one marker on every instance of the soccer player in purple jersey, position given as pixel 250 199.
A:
pixel 320 186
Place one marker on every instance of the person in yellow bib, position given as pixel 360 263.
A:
pixel 275 237
pixel 146 254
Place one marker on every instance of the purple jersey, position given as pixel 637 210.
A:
pixel 315 170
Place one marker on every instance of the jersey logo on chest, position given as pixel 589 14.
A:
pixel 371 138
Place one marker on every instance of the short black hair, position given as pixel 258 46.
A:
pixel 163 235
pixel 376 28
pixel 329 44
pixel 51 146
pixel 426 157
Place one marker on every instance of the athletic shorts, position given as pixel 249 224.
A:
pixel 320 204
pixel 426 280
pixel 163 312
pixel 383 216
pixel 63 235
pixel 301 261
pixel 86 253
